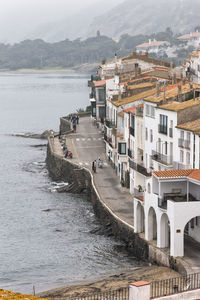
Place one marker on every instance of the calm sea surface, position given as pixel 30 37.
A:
pixel 46 238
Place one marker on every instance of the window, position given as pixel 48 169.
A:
pixel 165 148
pixel 102 95
pixel 147 109
pixel 182 134
pixel 188 158
pixel 146 134
pixel 151 135
pixel 188 136
pixel 181 156
pixel 122 148
pixel 163 124
pixel 152 111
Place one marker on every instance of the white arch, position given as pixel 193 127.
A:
pixel 164 231
pixel 180 214
pixel 152 224
pixel 140 217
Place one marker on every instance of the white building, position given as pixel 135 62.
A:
pixel 152 46
pixel 192 38
pixel 171 207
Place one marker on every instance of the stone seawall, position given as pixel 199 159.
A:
pixel 65 170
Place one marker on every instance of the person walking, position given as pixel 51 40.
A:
pixel 77 119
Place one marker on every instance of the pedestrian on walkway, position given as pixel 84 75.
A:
pixel 94 166
pixel 77 119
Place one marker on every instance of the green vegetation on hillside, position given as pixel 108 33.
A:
pixel 37 54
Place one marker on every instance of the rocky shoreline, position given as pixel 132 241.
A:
pixel 113 282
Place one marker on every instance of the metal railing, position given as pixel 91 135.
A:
pixel 165 159
pixel 120 294
pixel 139 168
pixel 162 128
pixel 180 166
pixel 175 285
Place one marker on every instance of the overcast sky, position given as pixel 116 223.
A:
pixel 19 17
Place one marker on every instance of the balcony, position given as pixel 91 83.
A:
pixel 162 129
pixel 132 131
pixel 110 124
pixel 164 159
pixel 171 132
pixel 139 168
pixel 139 194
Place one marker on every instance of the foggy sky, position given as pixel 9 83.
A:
pixel 19 17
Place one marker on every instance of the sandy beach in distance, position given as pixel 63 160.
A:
pixel 114 282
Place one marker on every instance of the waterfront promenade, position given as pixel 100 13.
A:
pixel 87 145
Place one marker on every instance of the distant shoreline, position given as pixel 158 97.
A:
pixel 82 69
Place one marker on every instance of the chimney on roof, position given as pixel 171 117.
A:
pixel 149 41
pixel 179 92
pixel 157 89
pixel 174 80
pixel 120 95
pixel 115 56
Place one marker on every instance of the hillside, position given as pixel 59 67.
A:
pixel 145 17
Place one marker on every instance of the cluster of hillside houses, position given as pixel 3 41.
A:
pixel 149 112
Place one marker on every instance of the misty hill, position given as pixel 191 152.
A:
pixel 147 16
pixel 38 54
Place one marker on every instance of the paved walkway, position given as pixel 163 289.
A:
pixel 87 145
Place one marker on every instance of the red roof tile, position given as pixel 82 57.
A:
pixel 99 83
pixel 140 283
pixel 195 175
pixel 173 173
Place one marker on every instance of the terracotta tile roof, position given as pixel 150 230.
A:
pixel 17 296
pixel 134 98
pixel 189 173
pixel 130 110
pixel 193 126
pixel 195 54
pixel 189 36
pixel 99 83
pixel 195 174
pixel 177 106
pixel 168 94
pixel 173 173
pixel 140 283
pixel 152 44
pixel 141 85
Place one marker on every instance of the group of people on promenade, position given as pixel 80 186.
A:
pixel 99 162
pixel 74 119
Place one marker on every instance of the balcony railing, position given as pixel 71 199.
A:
pixel 132 131
pixel 162 128
pixel 110 124
pixel 139 168
pixel 164 159
pixel 171 132
pixel 139 194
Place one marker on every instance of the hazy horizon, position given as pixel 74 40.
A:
pixel 20 18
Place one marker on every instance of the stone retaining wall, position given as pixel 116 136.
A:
pixel 65 170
